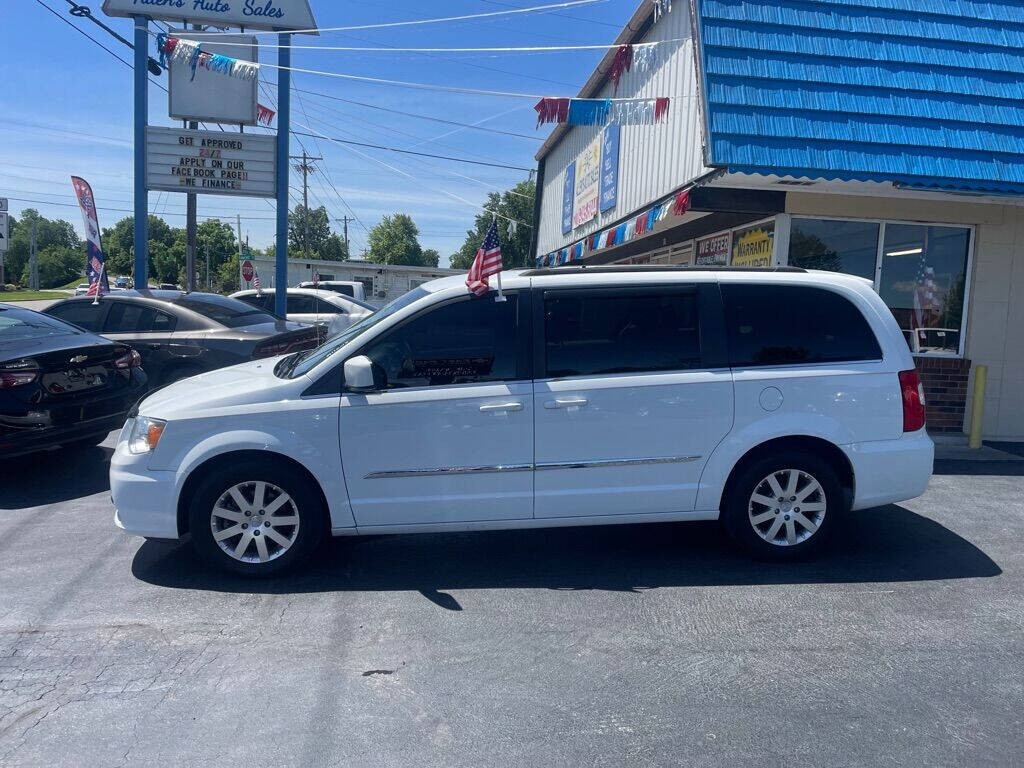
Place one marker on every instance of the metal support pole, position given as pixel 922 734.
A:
pixel 978 406
pixel 141 118
pixel 33 259
pixel 284 61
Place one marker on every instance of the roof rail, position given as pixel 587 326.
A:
pixel 613 268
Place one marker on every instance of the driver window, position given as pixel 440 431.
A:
pixel 472 340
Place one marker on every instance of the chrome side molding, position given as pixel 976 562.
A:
pixel 490 468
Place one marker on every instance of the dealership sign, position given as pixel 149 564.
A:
pixel 281 15
pixel 714 250
pixel 210 162
pixel 609 167
pixel 205 94
pixel 588 183
pixel 568 188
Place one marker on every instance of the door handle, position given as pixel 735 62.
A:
pixel 513 406
pixel 566 402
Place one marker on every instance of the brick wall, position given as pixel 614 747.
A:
pixel 945 391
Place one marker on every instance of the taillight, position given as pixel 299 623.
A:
pixel 271 350
pixel 912 391
pixel 18 372
pixel 130 359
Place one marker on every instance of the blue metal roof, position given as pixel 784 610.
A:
pixel 926 93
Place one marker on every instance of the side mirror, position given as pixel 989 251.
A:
pixel 359 375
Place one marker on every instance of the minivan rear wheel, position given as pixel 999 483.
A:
pixel 256 518
pixel 783 506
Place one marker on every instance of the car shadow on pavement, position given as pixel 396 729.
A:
pixel 897 545
pixel 53 476
pixel 970 467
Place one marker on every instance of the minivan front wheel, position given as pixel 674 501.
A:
pixel 255 519
pixel 782 507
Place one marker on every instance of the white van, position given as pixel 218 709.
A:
pixel 774 400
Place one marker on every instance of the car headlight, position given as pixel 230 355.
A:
pixel 145 434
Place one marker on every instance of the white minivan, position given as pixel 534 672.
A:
pixel 775 400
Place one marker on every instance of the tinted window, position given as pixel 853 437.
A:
pixel 224 310
pixel 620 332
pixel 838 246
pixel 18 325
pixel 129 318
pixel 788 325
pixel 468 341
pixel 84 314
pixel 300 305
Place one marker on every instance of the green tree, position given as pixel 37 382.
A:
pixel 515 204
pixel 225 278
pixel 58 265
pixel 334 249
pixel 55 233
pixel 395 241
pixel 430 258
pixel 319 229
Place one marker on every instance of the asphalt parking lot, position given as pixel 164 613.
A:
pixel 633 645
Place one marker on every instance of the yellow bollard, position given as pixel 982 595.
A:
pixel 978 406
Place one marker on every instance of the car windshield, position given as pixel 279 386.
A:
pixel 303 362
pixel 224 310
pixel 19 325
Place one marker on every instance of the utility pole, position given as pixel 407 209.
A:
pixel 344 223
pixel 33 270
pixel 209 285
pixel 305 168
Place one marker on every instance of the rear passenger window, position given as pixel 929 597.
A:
pixel 300 305
pixel 791 324
pixel 129 318
pixel 84 314
pixel 604 332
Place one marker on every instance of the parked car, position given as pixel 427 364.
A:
pixel 60 385
pixel 773 400
pixel 351 288
pixel 308 305
pixel 182 334
pixel 82 289
pixel 123 281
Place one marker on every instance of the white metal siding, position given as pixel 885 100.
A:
pixel 653 159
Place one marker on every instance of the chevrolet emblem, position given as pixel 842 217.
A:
pixel 78 359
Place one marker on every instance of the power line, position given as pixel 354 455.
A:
pixel 411 152
pixel 507 49
pixel 129 210
pixel 408 23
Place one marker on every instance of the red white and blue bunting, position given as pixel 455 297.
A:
pixel 636 226
pixel 178 50
pixel 602 111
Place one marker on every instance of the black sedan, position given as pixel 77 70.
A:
pixel 181 334
pixel 60 385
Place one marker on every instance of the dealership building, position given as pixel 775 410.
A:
pixel 880 138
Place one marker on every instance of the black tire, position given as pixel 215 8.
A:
pixel 740 510
pixel 305 502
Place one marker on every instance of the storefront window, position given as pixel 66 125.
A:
pixel 753 246
pixel 838 246
pixel 922 281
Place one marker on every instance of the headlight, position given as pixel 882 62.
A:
pixel 145 434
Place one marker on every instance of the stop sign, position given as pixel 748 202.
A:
pixel 247 270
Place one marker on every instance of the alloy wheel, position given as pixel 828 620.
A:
pixel 787 507
pixel 254 522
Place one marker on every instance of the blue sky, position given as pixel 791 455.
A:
pixel 66 107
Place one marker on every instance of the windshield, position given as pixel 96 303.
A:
pixel 303 362
pixel 19 325
pixel 224 310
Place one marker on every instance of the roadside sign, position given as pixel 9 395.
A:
pixel 283 15
pixel 247 271
pixel 203 94
pixel 4 232
pixel 210 162
pixel 3 203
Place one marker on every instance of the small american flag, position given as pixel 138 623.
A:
pixel 486 263
pixel 256 280
pixel 96 285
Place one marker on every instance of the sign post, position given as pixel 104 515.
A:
pixel 5 237
pixel 141 118
pixel 284 62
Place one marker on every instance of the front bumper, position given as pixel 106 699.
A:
pixel 887 471
pixel 145 500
